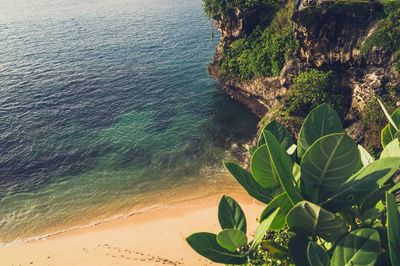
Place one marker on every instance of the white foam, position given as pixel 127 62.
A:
pixel 74 228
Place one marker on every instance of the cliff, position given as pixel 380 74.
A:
pixel 331 36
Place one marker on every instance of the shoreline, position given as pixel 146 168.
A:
pixel 209 183
pixel 154 237
pixel 78 227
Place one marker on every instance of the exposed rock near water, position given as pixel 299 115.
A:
pixel 259 94
pixel 330 37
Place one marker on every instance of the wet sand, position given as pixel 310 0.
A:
pixel 155 237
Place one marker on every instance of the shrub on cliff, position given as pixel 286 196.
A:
pixel 264 51
pixel 373 119
pixel 312 88
pixel 387 37
pixel 329 202
pixel 220 7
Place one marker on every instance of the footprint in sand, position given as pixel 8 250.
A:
pixel 140 256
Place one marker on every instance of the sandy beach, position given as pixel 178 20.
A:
pixel 155 237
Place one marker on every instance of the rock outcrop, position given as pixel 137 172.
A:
pixel 330 37
pixel 236 23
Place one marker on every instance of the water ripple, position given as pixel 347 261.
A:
pixel 101 103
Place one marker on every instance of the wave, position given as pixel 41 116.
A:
pixel 76 228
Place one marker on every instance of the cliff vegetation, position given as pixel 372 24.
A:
pixel 264 51
pixel 282 58
pixel 387 35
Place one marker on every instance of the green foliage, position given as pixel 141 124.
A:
pixel 263 228
pixel 249 183
pixel 230 215
pixel 322 121
pixel 374 119
pixel 316 255
pixel 232 239
pixel 360 185
pixel 333 208
pixel 397 66
pixel 298 245
pixel 284 204
pixel 391 149
pixel 282 166
pixel 392 130
pixel 312 88
pixel 387 37
pixel 366 158
pixel 206 244
pixel 221 7
pixel 327 164
pixel 282 134
pixel 393 229
pixel 264 51
pixel 393 119
pixel 312 220
pixel 272 250
pixel 359 247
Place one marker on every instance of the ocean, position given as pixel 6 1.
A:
pixel 107 110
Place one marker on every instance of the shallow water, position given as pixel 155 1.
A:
pixel 104 104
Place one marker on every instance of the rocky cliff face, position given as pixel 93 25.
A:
pixel 330 37
pixel 257 93
pixel 236 23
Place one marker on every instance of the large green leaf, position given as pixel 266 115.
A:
pixel 366 158
pixel 320 122
pixel 393 229
pixel 206 245
pixel 362 184
pixel 282 166
pixel 394 119
pixel 298 249
pixel 390 132
pixel 232 239
pixel 327 164
pixel 392 149
pixel 231 215
pixel 360 247
pixel 262 229
pixel 316 255
pixel 261 169
pixel 248 183
pixel 281 134
pixel 282 201
pixel 312 220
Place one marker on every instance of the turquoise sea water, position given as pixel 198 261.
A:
pixel 106 107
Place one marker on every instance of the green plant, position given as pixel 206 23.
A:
pixel 312 88
pixel 387 36
pixel 391 131
pixel 264 51
pixel 334 200
pixel 373 119
pixel 221 7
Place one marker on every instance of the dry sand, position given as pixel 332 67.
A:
pixel 156 237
